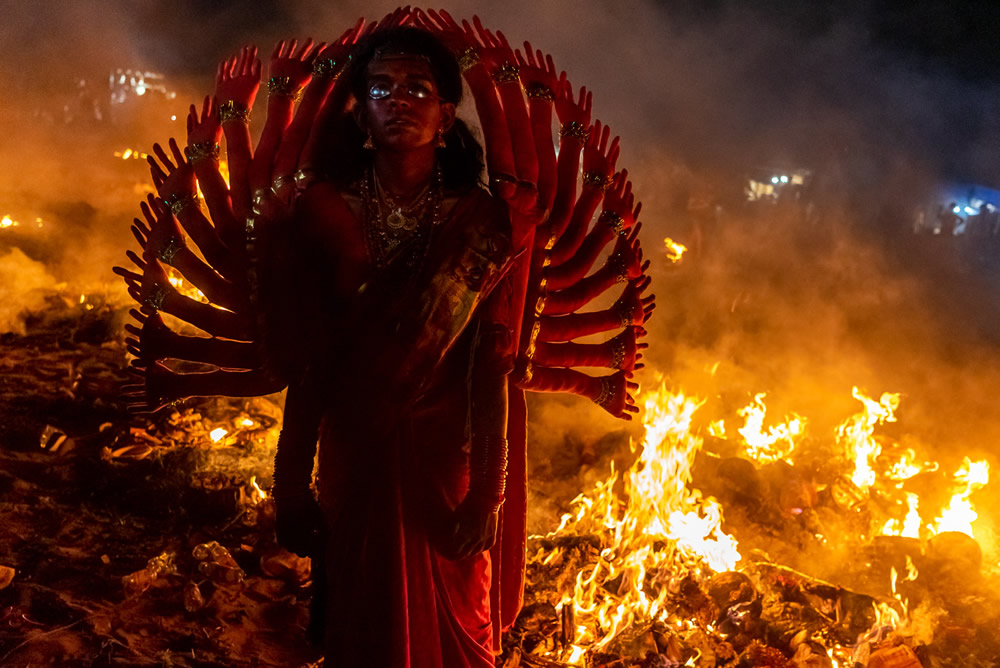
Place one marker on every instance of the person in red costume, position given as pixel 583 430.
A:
pixel 360 261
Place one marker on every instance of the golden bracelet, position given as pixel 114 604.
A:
pixel 617 352
pixel 506 73
pixel 170 250
pixel 180 201
pixel 468 59
pixel 326 68
pixel 284 87
pixel 202 150
pixel 607 392
pixel 574 130
pixel 625 313
pixel 616 222
pixel 233 111
pixel 619 264
pixel 156 296
pixel 539 91
pixel 596 179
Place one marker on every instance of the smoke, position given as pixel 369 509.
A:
pixel 24 284
pixel 803 312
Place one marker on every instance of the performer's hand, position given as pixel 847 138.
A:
pixel 631 347
pixel 600 155
pixel 289 59
pixel 171 180
pixel 570 110
pixel 494 48
pixel 628 253
pixel 469 529
pixel 148 340
pixel 160 230
pixel 337 51
pixel 238 78
pixel 632 305
pixel 204 129
pixel 298 522
pixel 151 286
pixel 148 392
pixel 445 28
pixel 536 68
pixel 621 403
pixel 618 199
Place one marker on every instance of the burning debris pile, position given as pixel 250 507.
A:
pixel 645 570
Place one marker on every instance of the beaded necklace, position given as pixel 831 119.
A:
pixel 396 231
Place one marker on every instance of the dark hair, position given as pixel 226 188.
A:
pixel 461 159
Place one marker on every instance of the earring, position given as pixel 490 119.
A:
pixel 440 140
pixel 369 144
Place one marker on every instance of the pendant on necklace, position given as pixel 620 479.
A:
pixel 398 220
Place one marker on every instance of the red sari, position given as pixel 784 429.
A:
pixel 392 598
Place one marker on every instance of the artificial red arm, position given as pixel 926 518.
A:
pixel 612 393
pixel 630 309
pixel 538 77
pixel 599 158
pixel 574 115
pixel 153 340
pixel 617 217
pixel 236 87
pixel 620 352
pixel 289 71
pixel 324 86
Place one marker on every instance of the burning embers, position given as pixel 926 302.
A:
pixel 644 571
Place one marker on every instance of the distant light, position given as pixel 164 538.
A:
pixel 140 90
pixel 957 209
pixel 173 117
pixel 774 179
pixel 969 210
pixel 784 179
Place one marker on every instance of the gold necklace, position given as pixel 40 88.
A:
pixel 392 228
pixel 400 216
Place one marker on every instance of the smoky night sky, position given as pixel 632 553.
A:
pixel 720 84
pixel 883 101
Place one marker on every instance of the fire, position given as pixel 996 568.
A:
pixel 7 221
pixel 658 532
pixel 217 434
pixel 910 525
pixel 855 434
pixel 674 250
pixel 778 443
pixel 960 514
pixel 262 495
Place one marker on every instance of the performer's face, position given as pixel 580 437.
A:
pixel 403 110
